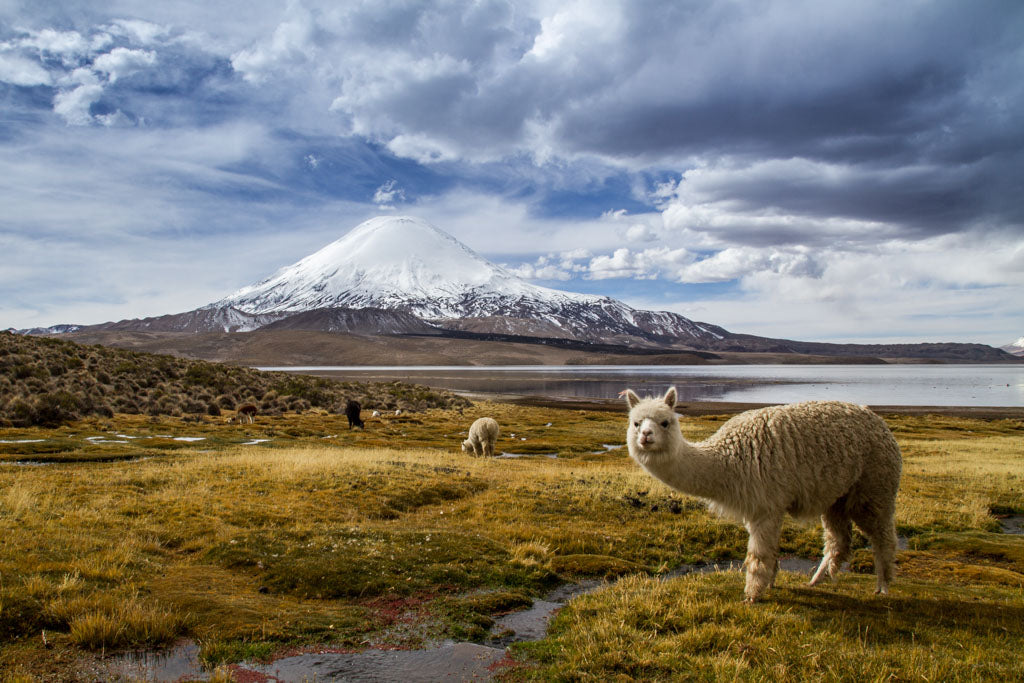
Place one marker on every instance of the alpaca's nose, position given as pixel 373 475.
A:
pixel 646 432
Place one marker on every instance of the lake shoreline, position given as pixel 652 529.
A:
pixel 700 408
pixel 974 390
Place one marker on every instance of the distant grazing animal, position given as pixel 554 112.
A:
pixel 827 458
pixel 246 413
pixel 375 413
pixel 398 411
pixel 352 410
pixel 482 435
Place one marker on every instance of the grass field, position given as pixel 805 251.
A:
pixel 252 540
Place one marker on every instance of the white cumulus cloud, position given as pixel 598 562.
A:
pixel 24 72
pixel 121 62
pixel 291 44
pixel 73 105
pixel 387 194
pixel 736 263
pixel 645 264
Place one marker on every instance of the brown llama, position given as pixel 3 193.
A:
pixel 246 413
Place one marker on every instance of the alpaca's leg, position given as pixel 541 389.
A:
pixel 762 555
pixel 880 528
pixel 838 533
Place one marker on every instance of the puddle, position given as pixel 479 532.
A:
pixel 609 447
pixel 103 439
pixel 448 662
pixel 1012 524
pixel 22 440
pixel 256 441
pixel 25 463
pixel 190 438
pixel 177 663
pixel 527 455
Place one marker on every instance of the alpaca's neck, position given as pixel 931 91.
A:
pixel 695 470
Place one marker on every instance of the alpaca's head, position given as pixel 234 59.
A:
pixel 653 424
pixel 467 446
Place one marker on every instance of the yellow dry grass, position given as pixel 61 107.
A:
pixel 308 539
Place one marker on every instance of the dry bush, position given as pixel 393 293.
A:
pixel 50 377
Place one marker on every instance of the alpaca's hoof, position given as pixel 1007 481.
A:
pixel 882 590
pixel 749 601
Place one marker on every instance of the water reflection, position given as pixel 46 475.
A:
pixel 934 385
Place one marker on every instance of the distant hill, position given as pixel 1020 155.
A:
pixel 45 381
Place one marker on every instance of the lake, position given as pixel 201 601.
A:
pixel 895 385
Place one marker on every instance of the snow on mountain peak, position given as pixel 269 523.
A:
pixel 394 262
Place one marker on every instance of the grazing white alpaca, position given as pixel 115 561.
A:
pixel 827 458
pixel 482 435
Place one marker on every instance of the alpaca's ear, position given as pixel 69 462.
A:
pixel 631 398
pixel 670 397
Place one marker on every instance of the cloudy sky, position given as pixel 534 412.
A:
pixel 833 171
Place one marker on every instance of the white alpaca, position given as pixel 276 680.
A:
pixel 827 458
pixel 482 435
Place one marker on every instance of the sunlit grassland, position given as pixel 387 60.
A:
pixel 955 612
pixel 391 535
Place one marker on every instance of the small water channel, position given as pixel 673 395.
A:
pixel 447 660
pixel 1012 524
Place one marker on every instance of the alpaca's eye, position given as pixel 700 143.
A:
pixel 636 424
pixel 664 423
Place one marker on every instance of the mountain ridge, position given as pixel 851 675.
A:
pixel 399 275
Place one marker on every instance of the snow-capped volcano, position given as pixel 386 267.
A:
pixel 402 276
pixel 406 264
pixel 394 263
pixel 1016 348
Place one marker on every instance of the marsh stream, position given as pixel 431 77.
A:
pixel 447 660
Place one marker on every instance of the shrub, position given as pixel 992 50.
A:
pixel 26 371
pixel 21 413
pixel 193 406
pixel 57 408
